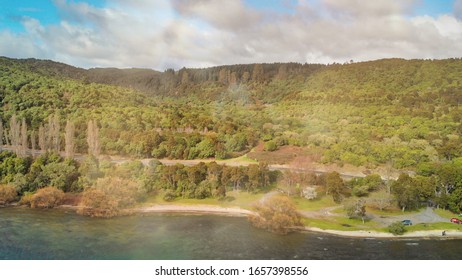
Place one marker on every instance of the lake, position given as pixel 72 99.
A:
pixel 60 234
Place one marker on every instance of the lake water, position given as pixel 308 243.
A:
pixel 59 234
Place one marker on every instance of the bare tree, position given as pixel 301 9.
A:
pixel 15 133
pixel 53 133
pixel 32 140
pixel 69 139
pixel 93 138
pixel 24 143
pixel 42 138
pixel 1 135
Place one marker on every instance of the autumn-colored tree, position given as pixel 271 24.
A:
pixel 276 214
pixel 48 197
pixel 8 194
pixel 109 196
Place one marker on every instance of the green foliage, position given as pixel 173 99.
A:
pixel 455 201
pixel 28 174
pixel 356 209
pixel 397 228
pixel 169 196
pixel 400 113
pixel 270 146
pixel 335 186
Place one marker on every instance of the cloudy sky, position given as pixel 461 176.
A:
pixel 162 34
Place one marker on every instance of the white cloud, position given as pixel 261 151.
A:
pixel 458 8
pixel 177 33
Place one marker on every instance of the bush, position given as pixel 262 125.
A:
pixel 397 228
pixel 26 198
pixel 277 214
pixel 8 194
pixel 109 196
pixel 48 197
pixel 270 146
pixel 96 203
pixel 169 195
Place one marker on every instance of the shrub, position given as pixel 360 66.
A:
pixel 270 146
pixel 96 203
pixel 8 194
pixel 169 195
pixel 26 198
pixel 48 197
pixel 109 196
pixel 276 214
pixel 397 228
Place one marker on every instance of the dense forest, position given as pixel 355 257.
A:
pixel 404 114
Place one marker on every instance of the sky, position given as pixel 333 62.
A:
pixel 161 34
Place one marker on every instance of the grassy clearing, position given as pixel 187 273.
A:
pixel 446 214
pixel 335 224
pixel 390 212
pixel 241 159
pixel 341 223
pixel 234 199
pixel 313 205
pixel 434 226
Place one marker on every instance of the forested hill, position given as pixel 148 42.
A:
pixel 403 112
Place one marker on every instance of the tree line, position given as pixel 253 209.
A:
pixel 48 137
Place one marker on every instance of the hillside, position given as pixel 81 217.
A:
pixel 405 113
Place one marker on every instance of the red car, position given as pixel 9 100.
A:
pixel 456 221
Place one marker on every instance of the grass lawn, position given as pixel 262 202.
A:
pixel 240 159
pixel 434 226
pixel 390 212
pixel 312 205
pixel 341 223
pixel 446 214
pixel 234 199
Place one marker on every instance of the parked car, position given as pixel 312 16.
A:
pixel 406 222
pixel 456 221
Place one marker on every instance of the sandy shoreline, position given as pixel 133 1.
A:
pixel 424 234
pixel 194 209
pixel 239 212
